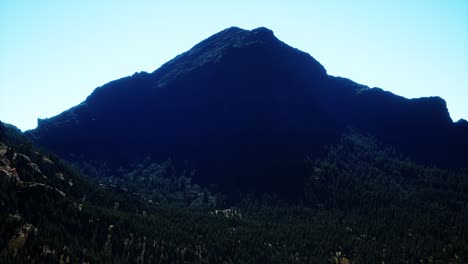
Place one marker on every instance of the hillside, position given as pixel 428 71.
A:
pixel 364 203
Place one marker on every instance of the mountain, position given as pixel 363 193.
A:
pixel 245 109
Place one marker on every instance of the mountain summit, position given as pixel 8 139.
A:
pixel 245 110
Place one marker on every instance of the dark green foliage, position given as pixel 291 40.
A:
pixel 160 183
pixel 362 202
pixel 360 174
pixel 409 211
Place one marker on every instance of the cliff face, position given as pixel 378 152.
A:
pixel 243 108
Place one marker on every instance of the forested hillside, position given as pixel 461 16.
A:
pixel 362 203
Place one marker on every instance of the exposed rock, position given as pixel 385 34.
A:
pixel 32 170
pixel 17 242
pixel 47 161
pixel 9 172
pixel 5 165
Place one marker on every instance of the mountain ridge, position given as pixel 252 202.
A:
pixel 244 105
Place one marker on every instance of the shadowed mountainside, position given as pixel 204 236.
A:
pixel 245 109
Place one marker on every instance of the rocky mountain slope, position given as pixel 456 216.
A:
pixel 244 109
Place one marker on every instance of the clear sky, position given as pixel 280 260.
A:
pixel 55 53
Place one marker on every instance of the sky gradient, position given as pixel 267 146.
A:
pixel 55 53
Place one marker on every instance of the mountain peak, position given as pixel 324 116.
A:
pixel 227 42
pixel 238 37
pixel 263 30
pixel 232 37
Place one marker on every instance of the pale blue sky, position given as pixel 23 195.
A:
pixel 54 53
